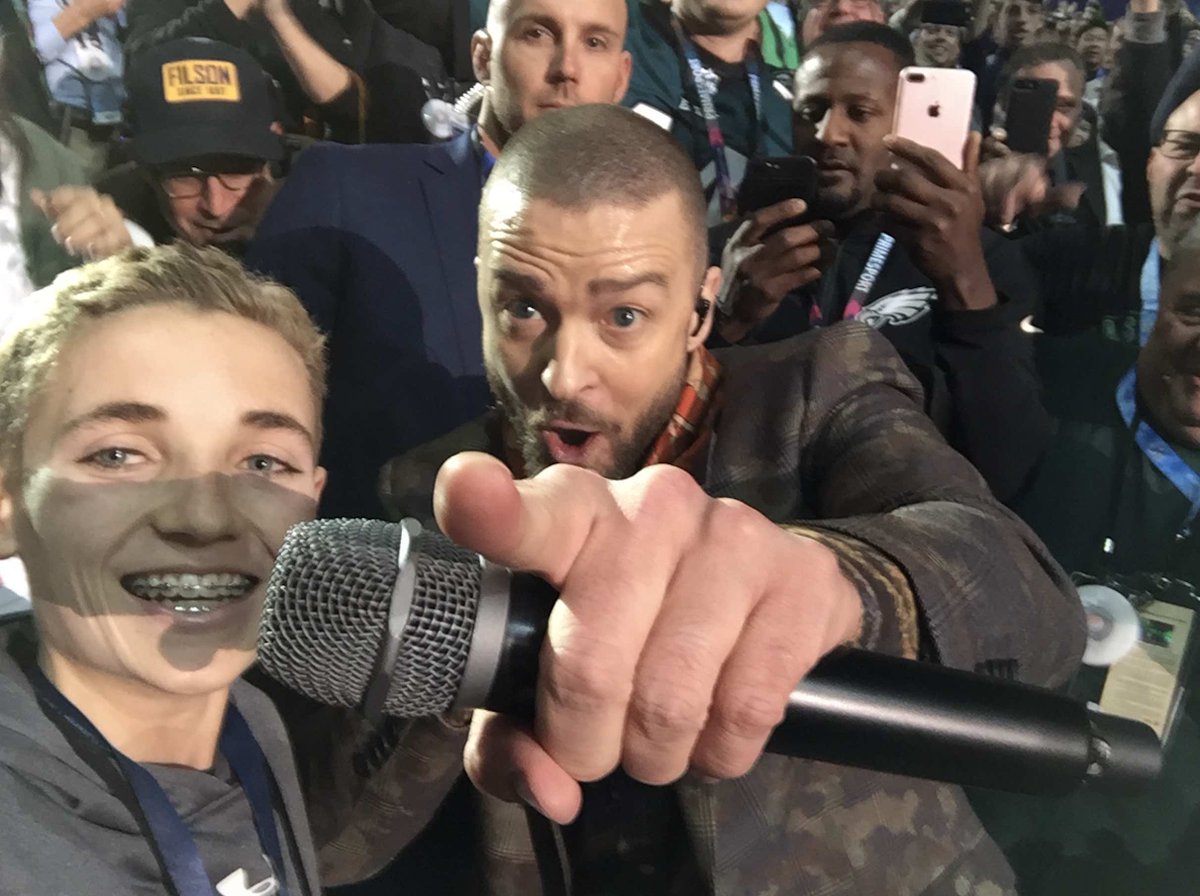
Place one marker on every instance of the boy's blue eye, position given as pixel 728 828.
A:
pixel 110 458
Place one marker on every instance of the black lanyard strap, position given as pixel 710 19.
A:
pixel 707 94
pixel 173 842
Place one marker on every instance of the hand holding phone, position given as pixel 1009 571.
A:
pixel 1028 115
pixel 934 108
pixel 777 249
pixel 936 212
pixel 775 179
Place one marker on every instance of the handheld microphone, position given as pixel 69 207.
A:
pixel 393 620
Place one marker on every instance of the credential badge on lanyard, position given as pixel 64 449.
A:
pixel 706 88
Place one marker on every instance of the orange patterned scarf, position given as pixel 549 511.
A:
pixel 684 442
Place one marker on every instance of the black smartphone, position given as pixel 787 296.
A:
pixel 774 179
pixel 945 12
pixel 1030 108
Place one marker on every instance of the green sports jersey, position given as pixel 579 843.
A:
pixel 662 89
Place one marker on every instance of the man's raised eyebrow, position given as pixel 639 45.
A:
pixel 115 411
pixel 277 420
pixel 624 284
pixel 518 281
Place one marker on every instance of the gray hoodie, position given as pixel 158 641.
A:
pixel 66 830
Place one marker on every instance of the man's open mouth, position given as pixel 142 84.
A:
pixel 188 592
pixel 576 438
pixel 567 444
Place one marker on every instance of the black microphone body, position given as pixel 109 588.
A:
pixel 399 622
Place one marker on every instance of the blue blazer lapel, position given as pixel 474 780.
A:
pixel 452 184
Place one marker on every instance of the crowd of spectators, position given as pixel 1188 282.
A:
pixel 1048 306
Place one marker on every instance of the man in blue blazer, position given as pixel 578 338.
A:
pixel 379 242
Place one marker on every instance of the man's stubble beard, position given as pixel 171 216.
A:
pixel 628 454
pixel 838 208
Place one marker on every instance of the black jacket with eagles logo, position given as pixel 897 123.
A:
pixel 977 368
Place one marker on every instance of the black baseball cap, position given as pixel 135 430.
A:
pixel 197 97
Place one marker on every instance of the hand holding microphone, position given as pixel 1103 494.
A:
pixel 674 645
pixel 683 626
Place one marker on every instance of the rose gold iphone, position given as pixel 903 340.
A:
pixel 933 108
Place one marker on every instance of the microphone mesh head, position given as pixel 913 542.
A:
pixel 437 638
pixel 326 615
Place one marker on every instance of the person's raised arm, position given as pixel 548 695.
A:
pixel 937 212
pixel 981 18
pixel 153 22
pixel 1139 77
pixel 322 77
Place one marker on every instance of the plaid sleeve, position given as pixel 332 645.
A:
pixel 889 623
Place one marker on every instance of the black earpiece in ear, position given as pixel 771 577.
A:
pixel 703 306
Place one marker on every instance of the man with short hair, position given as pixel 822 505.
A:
pixel 596 300
pixel 1091 42
pixel 206 144
pixel 1075 153
pixel 379 241
pixel 1019 23
pixel 938 45
pixel 710 72
pixel 912 259
pixel 1063 66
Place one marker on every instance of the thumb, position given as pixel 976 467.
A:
pixel 537 525
pixel 42 201
pixel 1010 209
pixel 971 153
pixel 504 760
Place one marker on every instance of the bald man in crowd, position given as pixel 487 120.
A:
pixel 379 241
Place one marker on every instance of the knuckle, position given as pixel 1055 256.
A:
pixel 747 714
pixel 799 258
pixel 668 712
pixel 572 479
pixel 585 677
pixel 735 521
pixel 669 490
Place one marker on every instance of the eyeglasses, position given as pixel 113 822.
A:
pixel 188 183
pixel 1180 145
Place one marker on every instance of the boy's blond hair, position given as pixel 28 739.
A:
pixel 180 274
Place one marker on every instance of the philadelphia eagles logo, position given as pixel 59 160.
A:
pixel 899 308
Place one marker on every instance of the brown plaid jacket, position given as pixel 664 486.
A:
pixel 823 433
